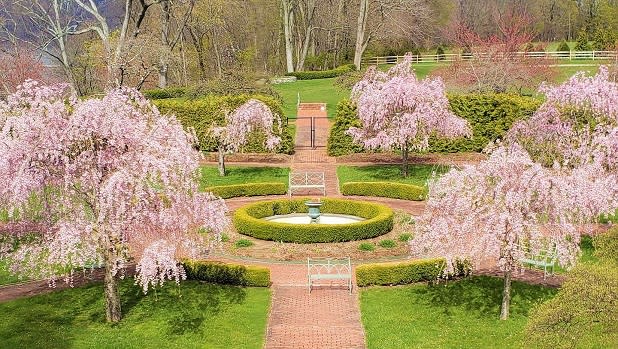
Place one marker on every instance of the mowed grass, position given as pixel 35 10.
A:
pixel 460 314
pixel 324 91
pixel 418 174
pixel 192 315
pixel 240 175
pixel 318 90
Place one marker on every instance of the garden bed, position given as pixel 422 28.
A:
pixel 369 249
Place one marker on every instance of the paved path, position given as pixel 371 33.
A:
pixel 328 317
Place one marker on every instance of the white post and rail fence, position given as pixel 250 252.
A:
pixel 450 57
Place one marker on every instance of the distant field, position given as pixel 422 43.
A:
pixel 323 90
pixel 319 90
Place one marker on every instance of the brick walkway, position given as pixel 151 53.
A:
pixel 329 317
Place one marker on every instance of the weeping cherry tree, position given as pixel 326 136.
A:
pixel 117 183
pixel 576 125
pixel 249 117
pixel 398 111
pixel 489 213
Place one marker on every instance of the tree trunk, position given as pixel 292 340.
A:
pixel 199 49
pixel 113 312
pixel 307 17
pixel 506 296
pixel 405 161
pixel 221 162
pixel 361 41
pixel 163 74
pixel 288 23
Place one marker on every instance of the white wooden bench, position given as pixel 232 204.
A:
pixel 545 258
pixel 329 269
pixel 306 180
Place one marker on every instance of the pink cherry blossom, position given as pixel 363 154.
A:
pixel 398 111
pixel 117 181
pixel 574 124
pixel 252 116
pixel 485 213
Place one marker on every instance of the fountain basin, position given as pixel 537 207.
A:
pixel 325 218
pixel 287 220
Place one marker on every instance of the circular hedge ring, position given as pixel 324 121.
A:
pixel 378 221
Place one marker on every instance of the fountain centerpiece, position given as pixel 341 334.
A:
pixel 314 210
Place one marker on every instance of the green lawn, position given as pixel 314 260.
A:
pixel 461 314
pixel 418 174
pixel 323 90
pixel 194 315
pixel 318 90
pixel 239 175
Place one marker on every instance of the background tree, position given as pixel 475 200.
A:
pixel 494 64
pixel 398 111
pixel 117 183
pixel 249 117
pixel 485 213
pixel 17 67
pixel 408 18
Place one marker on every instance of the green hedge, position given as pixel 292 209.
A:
pixel 228 274
pixel 165 93
pixel 384 189
pixel 490 116
pixel 379 221
pixel 399 273
pixel 323 74
pixel 201 114
pixel 248 189
pixel 339 143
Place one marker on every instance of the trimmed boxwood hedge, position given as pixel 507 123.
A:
pixel 384 189
pixel 379 221
pixel 248 189
pixel 490 117
pixel 323 74
pixel 228 274
pixel 165 93
pixel 201 114
pixel 399 273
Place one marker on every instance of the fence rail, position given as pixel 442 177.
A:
pixel 450 57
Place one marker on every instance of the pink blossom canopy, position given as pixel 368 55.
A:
pixel 117 180
pixel 399 111
pixel 483 212
pixel 251 116
pixel 575 125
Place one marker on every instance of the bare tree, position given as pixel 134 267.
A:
pixel 171 31
pixel 395 18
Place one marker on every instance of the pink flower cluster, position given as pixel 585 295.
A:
pixel 399 111
pixel 249 117
pixel 117 180
pixel 485 213
pixel 576 124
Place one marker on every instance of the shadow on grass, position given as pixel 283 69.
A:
pixel 481 296
pixel 187 305
pixel 54 320
pixel 41 321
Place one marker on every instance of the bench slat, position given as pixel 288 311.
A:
pixel 329 269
